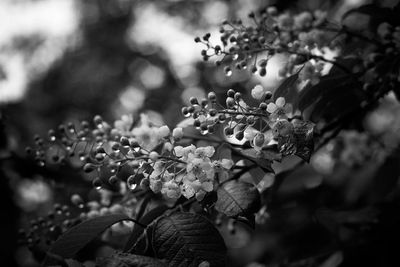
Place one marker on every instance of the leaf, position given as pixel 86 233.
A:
pixel 80 235
pixel 237 198
pixel 186 239
pixel 146 220
pixel 287 89
pixel 258 158
pixel 73 263
pixel 304 131
pixel 130 260
pixel 380 14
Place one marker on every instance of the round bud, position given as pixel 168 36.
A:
pixel 228 71
pixel 193 101
pixel 97 120
pixel 204 102
pixel 196 123
pixel 113 179
pixel 124 141
pixel 89 167
pixel 263 106
pixel 238 96
pixel 230 102
pixel 259 139
pixel 250 120
pixel 115 147
pixel 239 135
pixel 213 112
pixel 97 183
pixel 134 143
pixel 212 96
pixel 228 131
pixel 185 111
pixel 153 155
pixel 230 93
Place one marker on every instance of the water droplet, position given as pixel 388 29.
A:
pixel 52 138
pixel 82 158
pixel 203 132
pixel 132 186
pixel 131 183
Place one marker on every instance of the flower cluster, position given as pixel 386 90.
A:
pixel 194 172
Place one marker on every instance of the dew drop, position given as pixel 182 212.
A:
pixel 132 186
pixel 203 132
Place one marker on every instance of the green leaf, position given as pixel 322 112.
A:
pixel 186 239
pixel 129 260
pixel 237 198
pixel 80 235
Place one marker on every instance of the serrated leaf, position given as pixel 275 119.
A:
pixel 237 198
pixel 129 260
pixel 185 240
pixel 80 235
pixel 371 10
pixel 146 220
pixel 304 133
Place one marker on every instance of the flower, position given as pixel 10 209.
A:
pixel 163 131
pixel 177 133
pixel 279 110
pixel 124 124
pixel 257 92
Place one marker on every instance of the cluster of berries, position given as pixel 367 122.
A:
pixel 252 46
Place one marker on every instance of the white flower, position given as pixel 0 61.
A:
pixel 163 131
pixel 177 133
pixel 207 151
pixel 226 163
pixel 257 92
pixel 279 103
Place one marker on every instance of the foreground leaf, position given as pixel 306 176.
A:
pixel 237 198
pixel 147 219
pixel 186 240
pixel 76 238
pixel 130 260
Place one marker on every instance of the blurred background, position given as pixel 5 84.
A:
pixel 68 60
